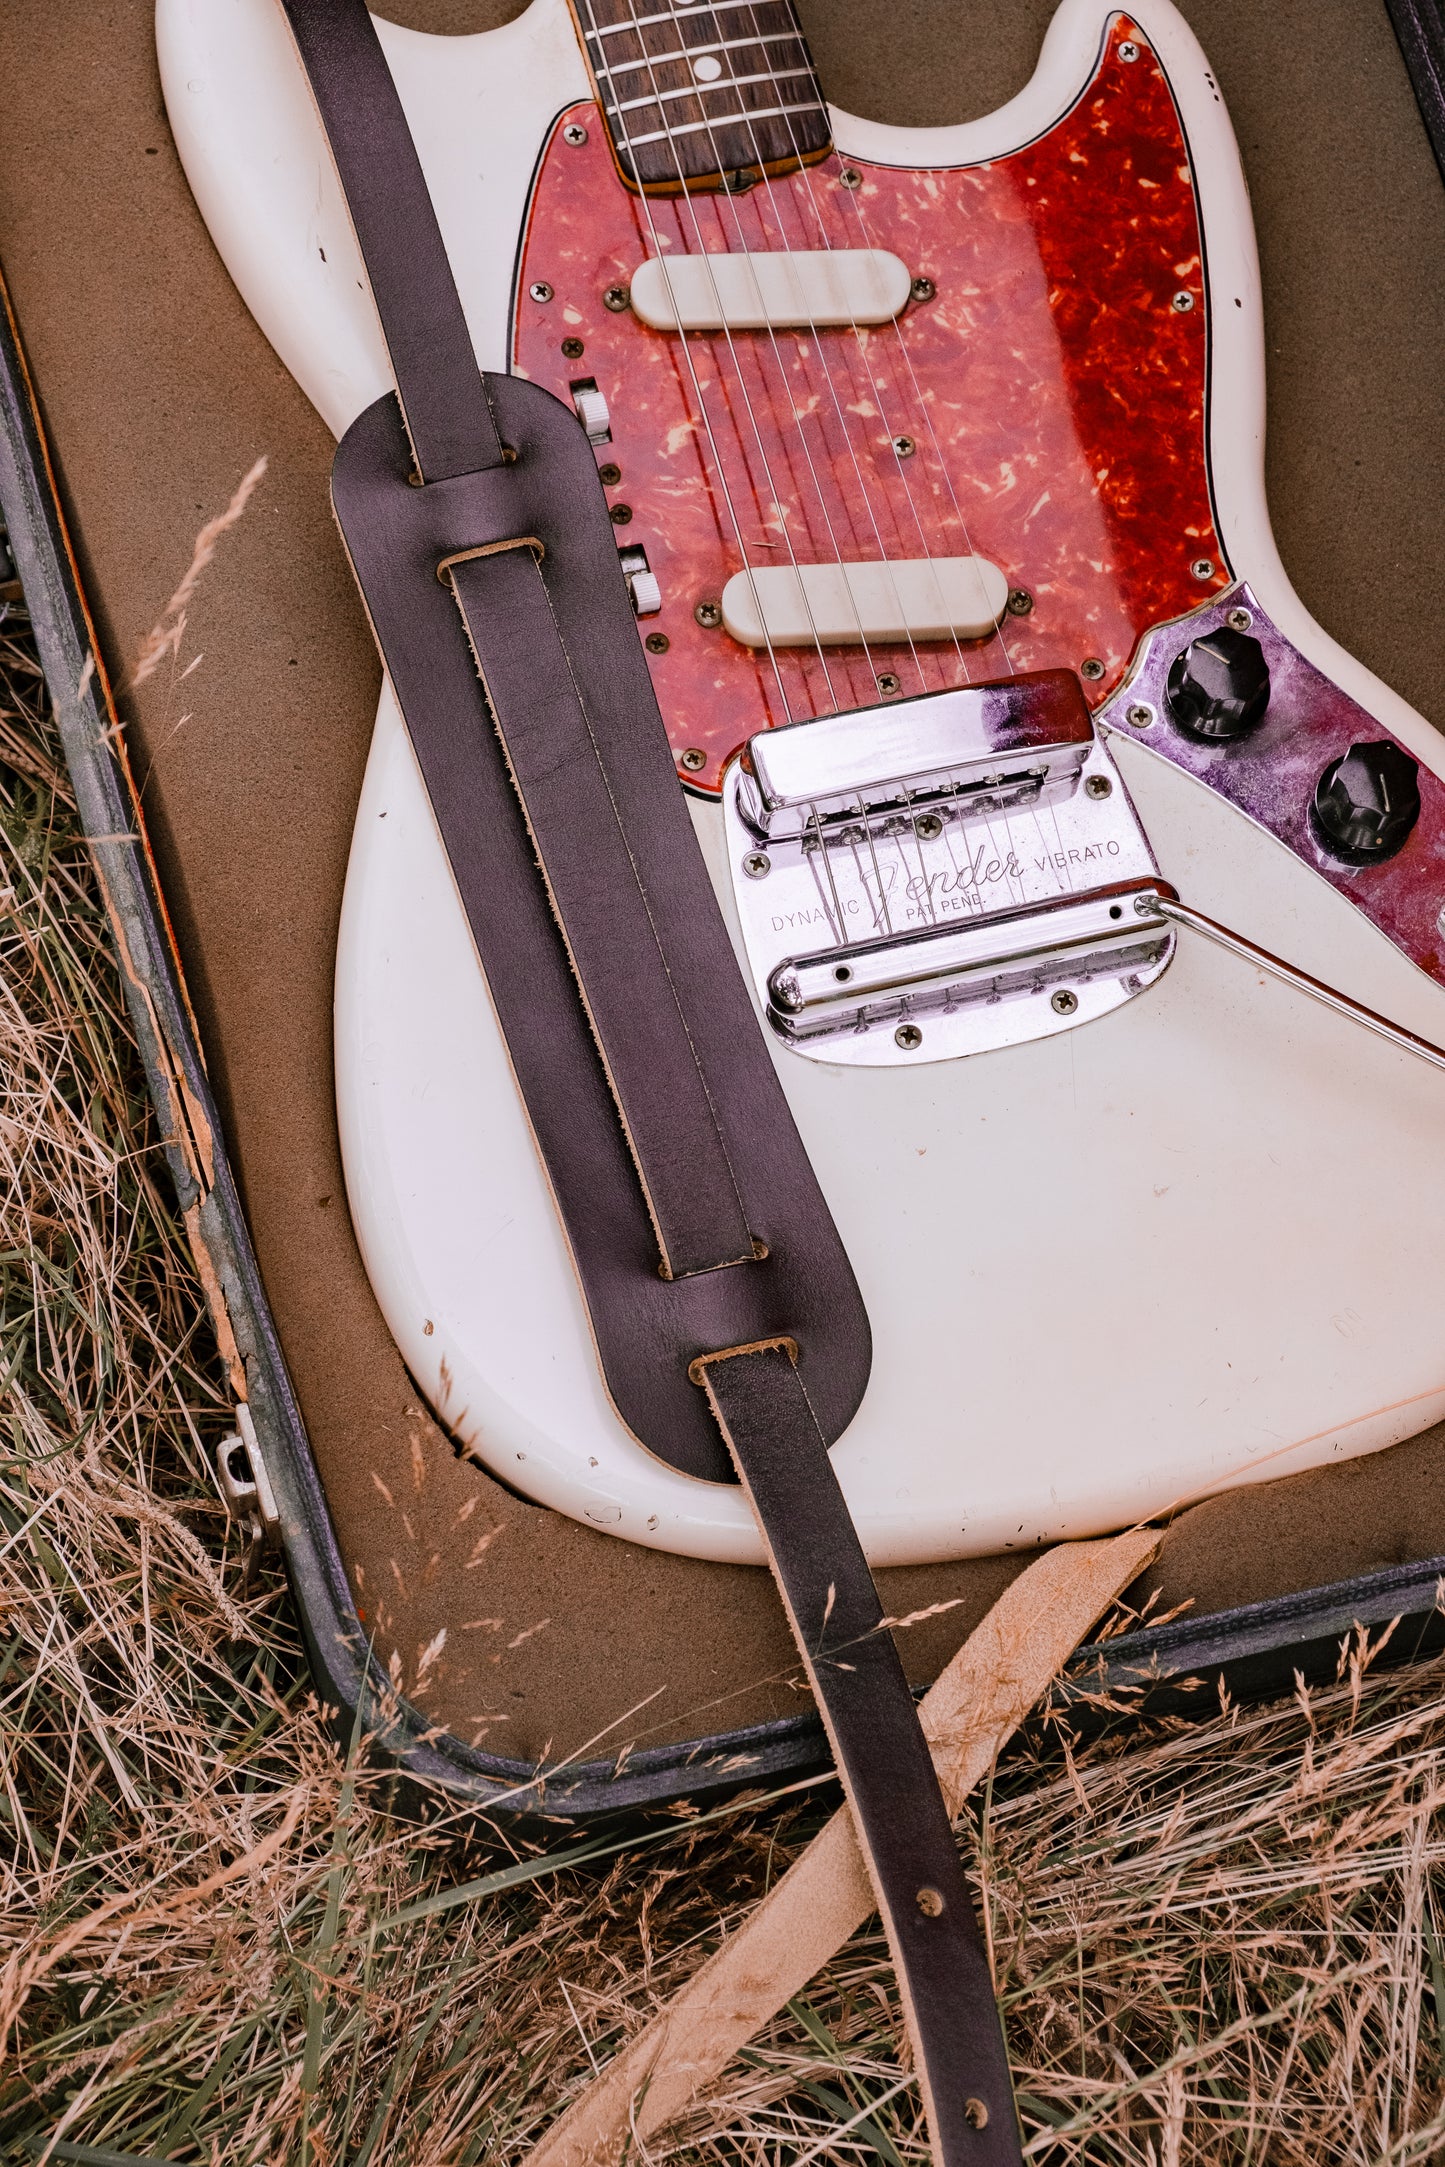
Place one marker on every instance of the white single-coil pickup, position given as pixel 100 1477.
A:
pixel 802 289
pixel 843 605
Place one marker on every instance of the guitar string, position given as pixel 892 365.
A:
pixel 821 856
pixel 708 126
pixel 625 137
pixel 649 62
pixel 706 421
pixel 1059 850
pixel 775 197
pixel 746 117
pixel 1002 855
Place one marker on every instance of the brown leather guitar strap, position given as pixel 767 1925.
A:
pixel 727 1319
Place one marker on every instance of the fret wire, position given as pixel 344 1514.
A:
pixel 703 90
pixel 647 22
pixel 724 121
pixel 690 52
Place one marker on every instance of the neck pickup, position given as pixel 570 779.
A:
pixel 705 97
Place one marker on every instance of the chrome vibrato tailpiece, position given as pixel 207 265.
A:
pixel 942 875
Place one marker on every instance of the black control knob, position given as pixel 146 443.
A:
pixel 1366 804
pixel 1219 686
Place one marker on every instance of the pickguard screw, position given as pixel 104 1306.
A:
pixel 757 865
pixel 975 2111
pixel 709 615
pixel 1063 1003
pixel 620 515
pixel 1182 303
pixel 657 643
pixel 929 1902
pixel 1092 668
pixel 1098 786
pixel 694 760
pixel 928 827
pixel 887 683
pixel 851 177
pixel 573 349
pixel 1128 50
pixel 1020 602
pixel 1140 715
pixel 910 1038
pixel 904 446
pixel 923 289
pixel 615 298
pixel 609 475
pixel 540 290
pixel 575 134
pixel 1203 568
pixel 1239 620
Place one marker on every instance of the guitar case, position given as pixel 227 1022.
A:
pixel 545 1666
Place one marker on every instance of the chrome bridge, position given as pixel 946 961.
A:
pixel 942 875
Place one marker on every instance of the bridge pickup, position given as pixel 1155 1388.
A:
pixel 941 876
pixel 873 602
pixel 1026 950
pixel 788 289
pixel 980 748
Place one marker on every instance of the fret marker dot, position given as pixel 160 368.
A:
pixel 707 68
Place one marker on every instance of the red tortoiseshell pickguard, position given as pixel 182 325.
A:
pixel 1054 388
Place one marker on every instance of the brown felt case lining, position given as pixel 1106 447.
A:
pixel 159 393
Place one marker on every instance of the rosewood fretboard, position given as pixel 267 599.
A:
pixel 706 96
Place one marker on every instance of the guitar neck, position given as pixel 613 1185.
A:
pixel 704 97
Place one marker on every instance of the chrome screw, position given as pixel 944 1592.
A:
pixel 1092 668
pixel 909 1037
pixel 694 760
pixel 888 683
pixel 573 349
pixel 709 615
pixel 757 865
pixel 1063 1003
pixel 928 827
pixel 1098 786
pixel 657 643
pixel 1203 568
pixel 923 289
pixel 541 291
pixel 904 446
pixel 1128 50
pixel 1182 303
pixel 1020 602
pixel 609 475
pixel 1140 715
pixel 616 298
pixel 850 177
pixel 575 134
pixel 1239 620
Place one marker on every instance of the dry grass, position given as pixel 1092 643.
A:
pixel 1216 1944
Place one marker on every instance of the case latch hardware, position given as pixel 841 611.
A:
pixel 246 1488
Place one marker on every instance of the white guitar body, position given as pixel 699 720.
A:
pixel 1196 1242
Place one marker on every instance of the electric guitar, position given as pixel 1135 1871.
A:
pixel 934 459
